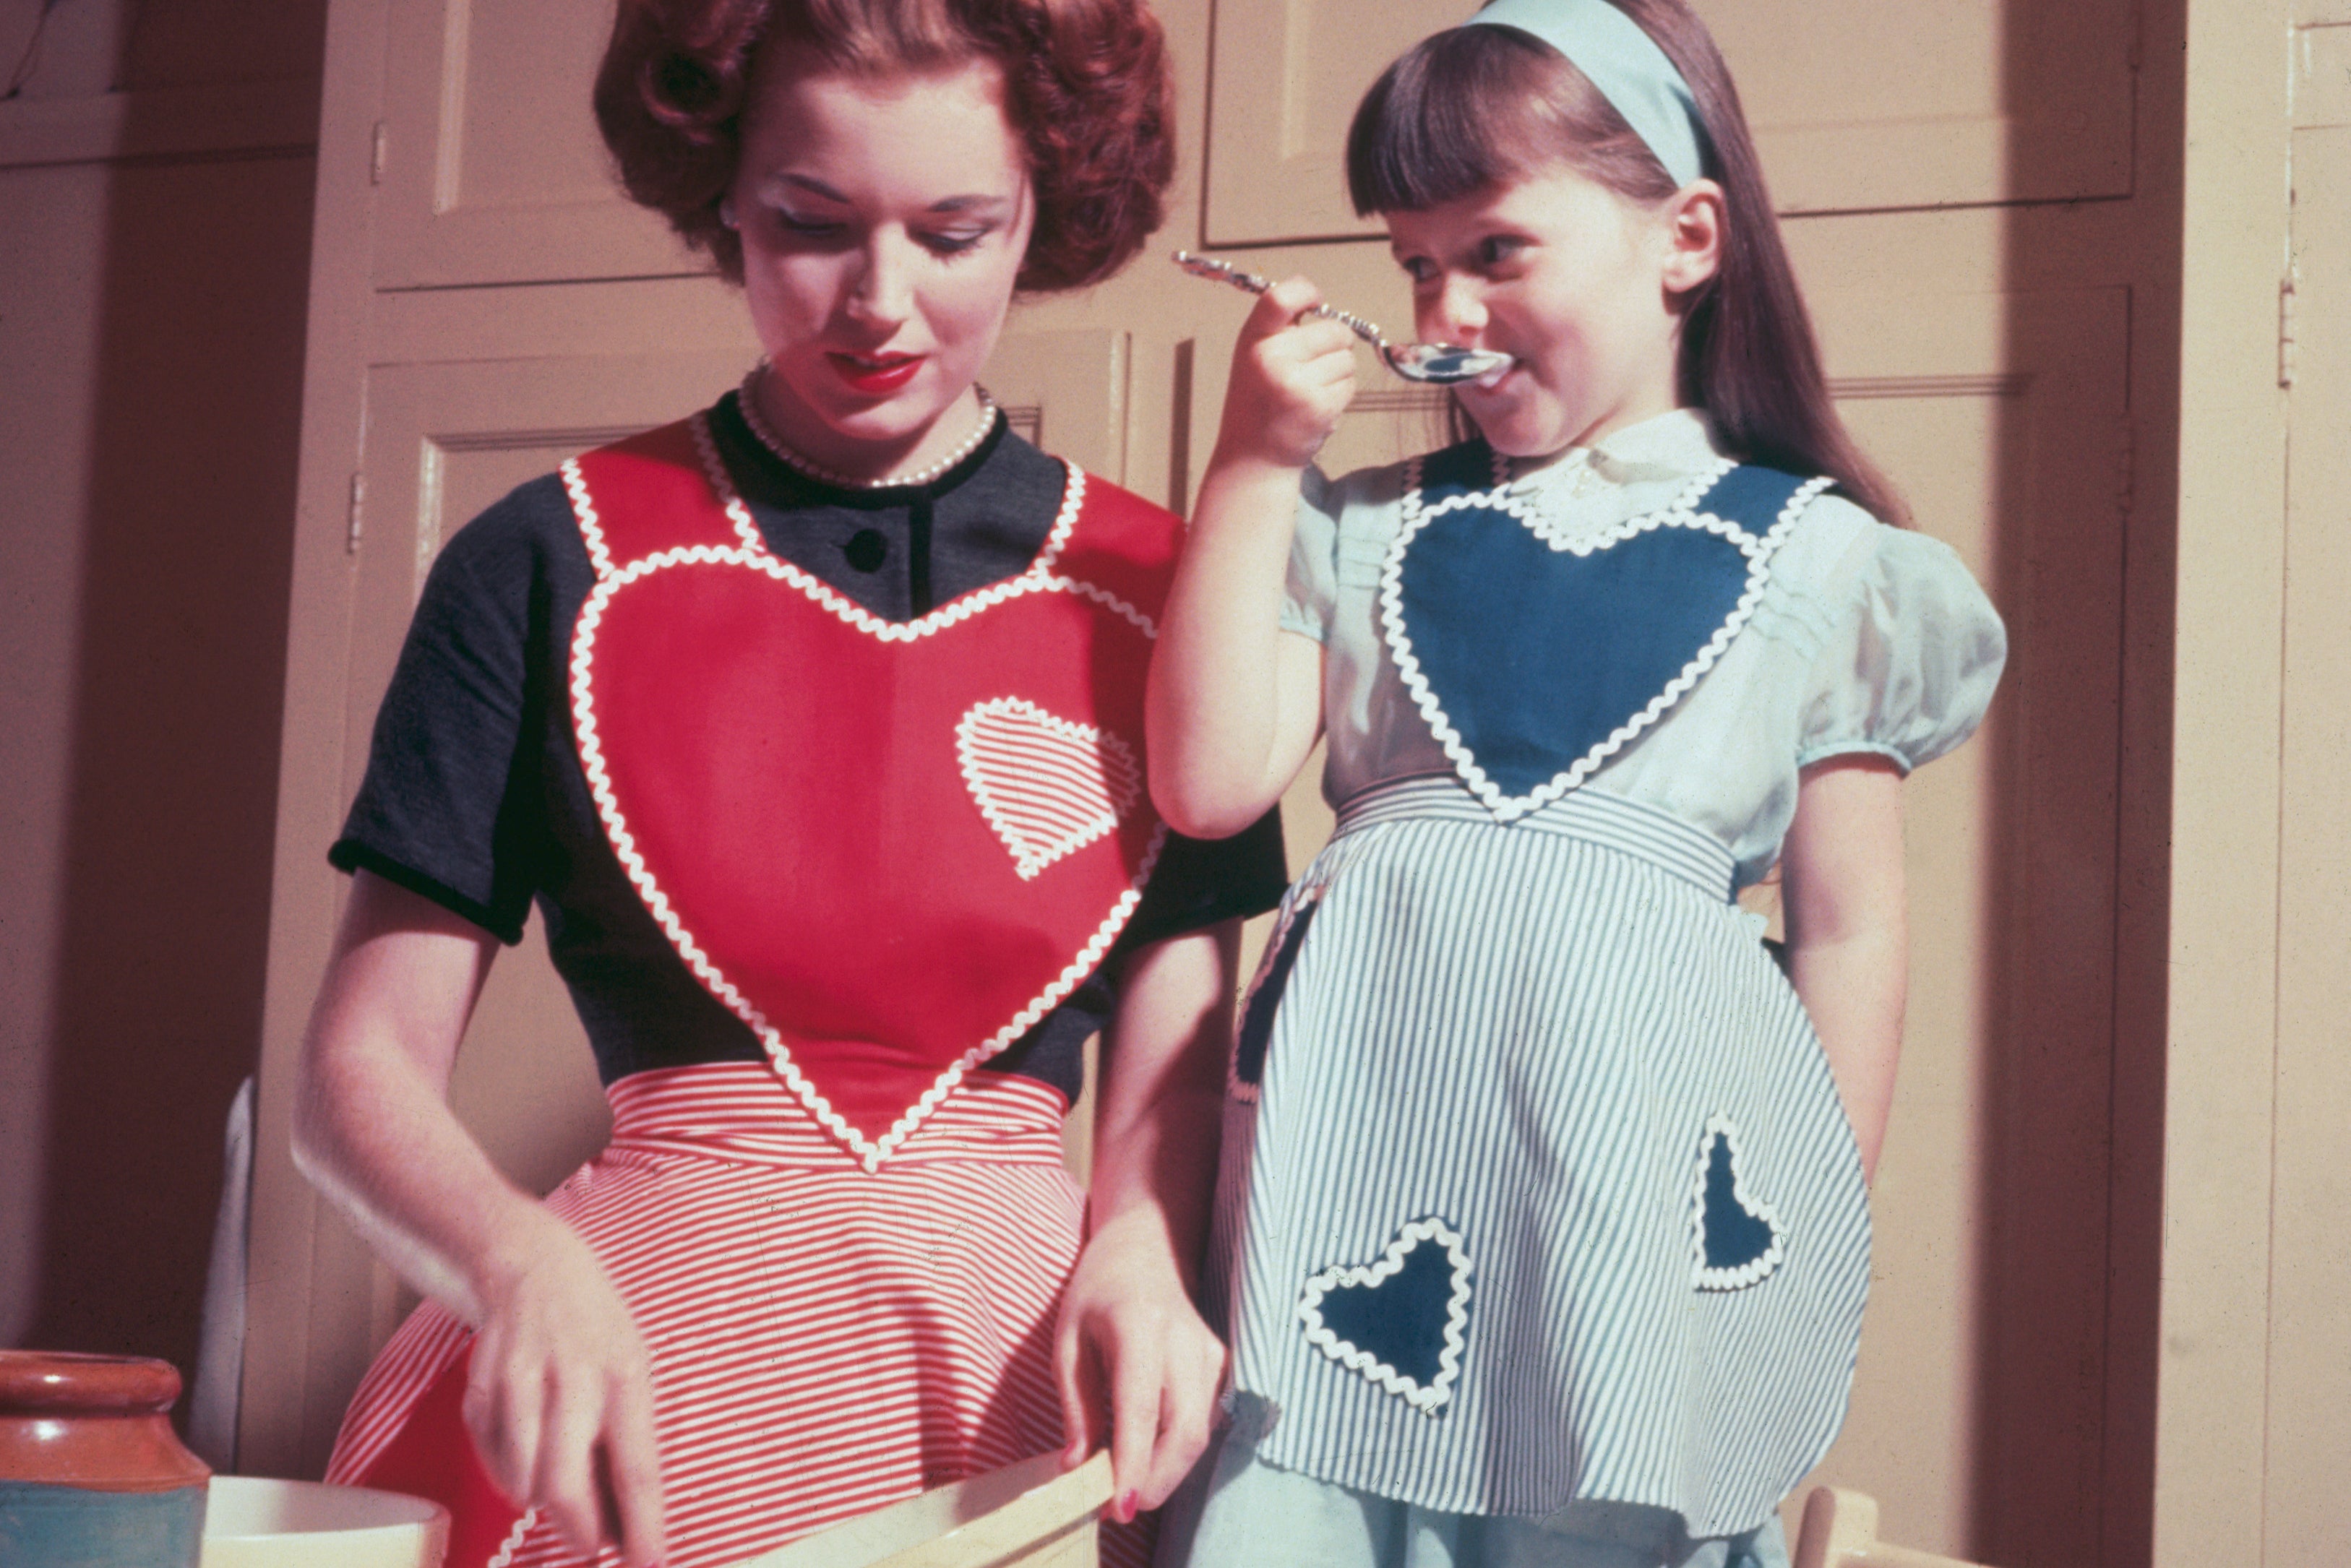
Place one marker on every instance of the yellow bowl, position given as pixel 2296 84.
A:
pixel 255 1523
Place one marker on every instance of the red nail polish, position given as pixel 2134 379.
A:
pixel 1126 1507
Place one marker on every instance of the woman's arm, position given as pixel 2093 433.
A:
pixel 1848 930
pixel 1138 1367
pixel 559 1374
pixel 1235 706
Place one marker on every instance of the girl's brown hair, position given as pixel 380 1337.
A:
pixel 1477 106
pixel 1086 90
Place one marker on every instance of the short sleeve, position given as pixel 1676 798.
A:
pixel 1199 882
pixel 450 807
pixel 1311 586
pixel 1912 655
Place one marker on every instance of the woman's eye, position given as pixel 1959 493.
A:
pixel 1419 268
pixel 792 222
pixel 952 242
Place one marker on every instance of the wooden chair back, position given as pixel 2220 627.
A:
pixel 1840 1531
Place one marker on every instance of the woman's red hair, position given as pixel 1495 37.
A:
pixel 1087 91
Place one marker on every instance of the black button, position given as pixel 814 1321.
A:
pixel 866 549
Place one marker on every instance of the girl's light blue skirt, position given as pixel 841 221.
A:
pixel 1237 1508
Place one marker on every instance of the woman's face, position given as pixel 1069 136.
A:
pixel 884 220
pixel 1576 281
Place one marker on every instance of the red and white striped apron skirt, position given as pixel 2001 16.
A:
pixel 824 1340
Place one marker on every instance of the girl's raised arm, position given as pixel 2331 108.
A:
pixel 1848 930
pixel 1236 704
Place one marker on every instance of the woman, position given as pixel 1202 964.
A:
pixel 812 724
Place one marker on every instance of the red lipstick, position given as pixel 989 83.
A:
pixel 875 375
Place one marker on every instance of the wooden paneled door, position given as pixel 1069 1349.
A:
pixel 2308 1419
pixel 482 304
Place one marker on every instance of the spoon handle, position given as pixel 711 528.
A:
pixel 1224 271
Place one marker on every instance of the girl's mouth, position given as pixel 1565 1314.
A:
pixel 1495 376
pixel 874 374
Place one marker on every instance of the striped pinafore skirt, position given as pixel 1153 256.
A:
pixel 824 1340
pixel 1536 1186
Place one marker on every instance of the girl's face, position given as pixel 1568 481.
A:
pixel 1578 283
pixel 884 220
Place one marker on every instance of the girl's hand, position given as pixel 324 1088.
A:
pixel 1293 376
pixel 1136 1365
pixel 560 1394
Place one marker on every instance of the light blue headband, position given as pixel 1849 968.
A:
pixel 1623 62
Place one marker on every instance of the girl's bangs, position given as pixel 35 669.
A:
pixel 1458 112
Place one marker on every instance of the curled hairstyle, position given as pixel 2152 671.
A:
pixel 1086 90
pixel 1476 107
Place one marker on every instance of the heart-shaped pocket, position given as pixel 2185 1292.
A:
pixel 1738 1236
pixel 1048 786
pixel 1534 658
pixel 1399 1320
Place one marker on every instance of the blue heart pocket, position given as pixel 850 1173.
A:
pixel 1399 1320
pixel 1534 660
pixel 1739 1239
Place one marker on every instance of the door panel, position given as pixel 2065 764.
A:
pixel 1863 105
pixel 2309 1411
pixel 492 171
pixel 2005 419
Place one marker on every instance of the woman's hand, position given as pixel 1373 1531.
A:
pixel 1139 1369
pixel 559 1398
pixel 558 1379
pixel 1293 375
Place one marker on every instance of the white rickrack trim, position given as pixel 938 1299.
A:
pixel 713 469
pixel 1682 512
pixel 1065 523
pixel 1756 1270
pixel 505 1556
pixel 871 1153
pixel 1302 898
pixel 1074 809
pixel 591 527
pixel 1427 1398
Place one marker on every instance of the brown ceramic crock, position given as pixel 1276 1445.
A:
pixel 90 1470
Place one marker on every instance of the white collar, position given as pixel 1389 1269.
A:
pixel 1666 446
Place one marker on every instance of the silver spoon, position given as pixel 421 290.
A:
pixel 1441 364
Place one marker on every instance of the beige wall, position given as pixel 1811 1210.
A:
pixel 155 190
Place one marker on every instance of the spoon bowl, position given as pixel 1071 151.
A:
pixel 1442 364
pixel 1432 364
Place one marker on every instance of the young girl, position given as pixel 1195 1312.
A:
pixel 1542 1219
pixel 811 723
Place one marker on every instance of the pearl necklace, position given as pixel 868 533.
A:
pixel 749 401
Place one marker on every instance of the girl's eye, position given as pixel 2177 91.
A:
pixel 1498 250
pixel 1419 268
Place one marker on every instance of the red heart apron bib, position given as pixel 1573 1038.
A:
pixel 891 848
